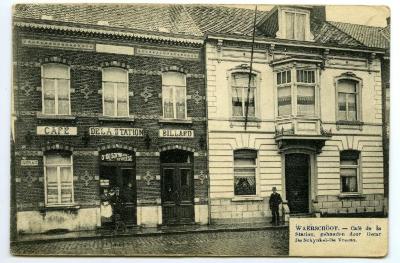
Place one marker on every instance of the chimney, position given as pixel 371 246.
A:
pixel 388 21
pixel 318 12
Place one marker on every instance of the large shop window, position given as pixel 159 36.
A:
pixel 115 92
pixel 56 90
pixel 349 171
pixel 174 95
pixel 242 96
pixel 295 25
pixel 303 89
pixel 348 100
pixel 58 179
pixel 245 162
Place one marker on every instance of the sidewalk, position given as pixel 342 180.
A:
pixel 146 231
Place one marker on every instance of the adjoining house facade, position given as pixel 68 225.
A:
pixel 151 106
pixel 314 124
pixel 104 110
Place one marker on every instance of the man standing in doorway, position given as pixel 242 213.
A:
pixel 274 201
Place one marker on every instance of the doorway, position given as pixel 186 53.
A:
pixel 117 190
pixel 297 182
pixel 177 187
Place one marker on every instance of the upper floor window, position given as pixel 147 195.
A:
pixel 115 92
pixel 58 179
pixel 295 25
pixel 303 89
pixel 245 162
pixel 348 96
pixel 243 96
pixel 349 171
pixel 174 95
pixel 56 90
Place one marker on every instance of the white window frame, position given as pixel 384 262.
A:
pixel 116 93
pixel 283 27
pixel 59 187
pixel 294 90
pixel 358 98
pixel 174 96
pixel 56 90
pixel 256 175
pixel 244 94
pixel 358 175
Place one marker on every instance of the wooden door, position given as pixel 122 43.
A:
pixel 297 169
pixel 177 194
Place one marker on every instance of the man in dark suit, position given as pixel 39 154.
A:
pixel 274 201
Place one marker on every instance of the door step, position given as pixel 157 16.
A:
pixel 302 215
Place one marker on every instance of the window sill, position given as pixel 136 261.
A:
pixel 349 123
pixel 116 119
pixel 178 121
pixel 247 198
pixel 70 207
pixel 42 116
pixel 354 125
pixel 351 195
pixel 242 119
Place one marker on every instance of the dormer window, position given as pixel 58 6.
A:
pixel 295 25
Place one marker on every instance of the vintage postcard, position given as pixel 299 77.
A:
pixel 200 130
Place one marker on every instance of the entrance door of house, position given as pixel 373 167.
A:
pixel 297 171
pixel 118 181
pixel 177 192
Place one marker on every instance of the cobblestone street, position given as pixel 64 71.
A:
pixel 269 242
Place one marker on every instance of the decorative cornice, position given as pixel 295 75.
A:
pixel 57 146
pixel 109 32
pixel 57 44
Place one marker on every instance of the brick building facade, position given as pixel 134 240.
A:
pixel 101 111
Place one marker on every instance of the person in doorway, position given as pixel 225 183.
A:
pixel 274 201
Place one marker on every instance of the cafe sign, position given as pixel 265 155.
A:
pixel 122 132
pixel 29 162
pixel 169 133
pixel 56 130
pixel 116 157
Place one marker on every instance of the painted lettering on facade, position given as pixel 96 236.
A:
pixel 117 157
pixel 108 131
pixel 56 130
pixel 176 133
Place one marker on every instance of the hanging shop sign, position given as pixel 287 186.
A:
pixel 176 133
pixel 108 131
pixel 56 130
pixel 116 157
pixel 29 162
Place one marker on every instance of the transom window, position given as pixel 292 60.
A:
pixel 347 100
pixel 58 179
pixel 174 95
pixel 242 96
pixel 295 25
pixel 303 89
pixel 56 90
pixel 245 162
pixel 349 171
pixel 115 92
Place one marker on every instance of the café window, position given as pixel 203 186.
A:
pixel 174 95
pixel 348 99
pixel 115 92
pixel 58 179
pixel 55 89
pixel 245 168
pixel 349 171
pixel 295 23
pixel 243 95
pixel 303 89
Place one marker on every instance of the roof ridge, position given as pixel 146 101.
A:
pixel 354 24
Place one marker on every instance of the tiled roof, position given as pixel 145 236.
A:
pixel 368 35
pixel 196 20
pixel 164 18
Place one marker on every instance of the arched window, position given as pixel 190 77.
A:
pixel 349 171
pixel 348 100
pixel 174 95
pixel 55 89
pixel 115 92
pixel 245 170
pixel 242 96
pixel 58 178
